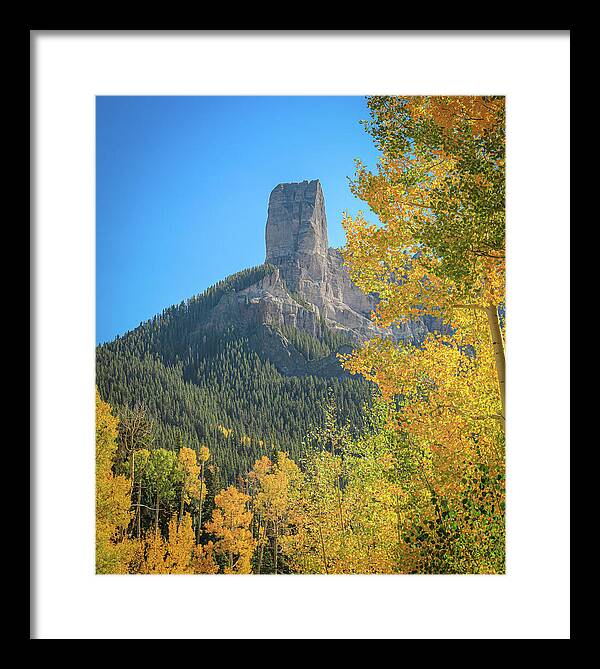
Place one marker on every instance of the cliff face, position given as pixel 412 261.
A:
pixel 297 245
pixel 309 287
pixel 296 222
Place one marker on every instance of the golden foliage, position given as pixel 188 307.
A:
pixel 230 523
pixel 113 498
pixel 276 491
pixel 180 554
pixel 189 472
pixel 439 195
pixel 439 248
pixel 226 432
pixel 204 559
pixel 439 251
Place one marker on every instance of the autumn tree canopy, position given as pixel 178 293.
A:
pixel 438 192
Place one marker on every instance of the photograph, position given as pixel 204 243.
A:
pixel 301 327
pixel 300 334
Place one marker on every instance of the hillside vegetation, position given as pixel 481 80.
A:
pixel 199 384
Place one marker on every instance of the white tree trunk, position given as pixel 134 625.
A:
pixel 498 348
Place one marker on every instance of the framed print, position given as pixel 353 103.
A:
pixel 287 353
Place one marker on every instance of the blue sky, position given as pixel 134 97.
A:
pixel 182 186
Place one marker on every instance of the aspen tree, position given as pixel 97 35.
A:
pixel 276 498
pixel 203 456
pixel 188 472
pixel 439 195
pixel 161 481
pixel 230 524
pixel 113 497
pixel 140 460
pixel 136 431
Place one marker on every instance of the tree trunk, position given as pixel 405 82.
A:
pixel 276 528
pixel 132 469
pixel 340 509
pixel 323 549
pixel 199 528
pixel 398 520
pixel 498 347
pixel 156 515
pixel 182 501
pixel 139 509
pixel 262 544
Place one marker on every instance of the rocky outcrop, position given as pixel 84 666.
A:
pixel 308 288
pixel 297 245
pixel 296 222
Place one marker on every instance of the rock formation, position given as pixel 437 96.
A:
pixel 296 222
pixel 308 288
pixel 297 245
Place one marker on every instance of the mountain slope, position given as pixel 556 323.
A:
pixel 221 388
pixel 248 365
